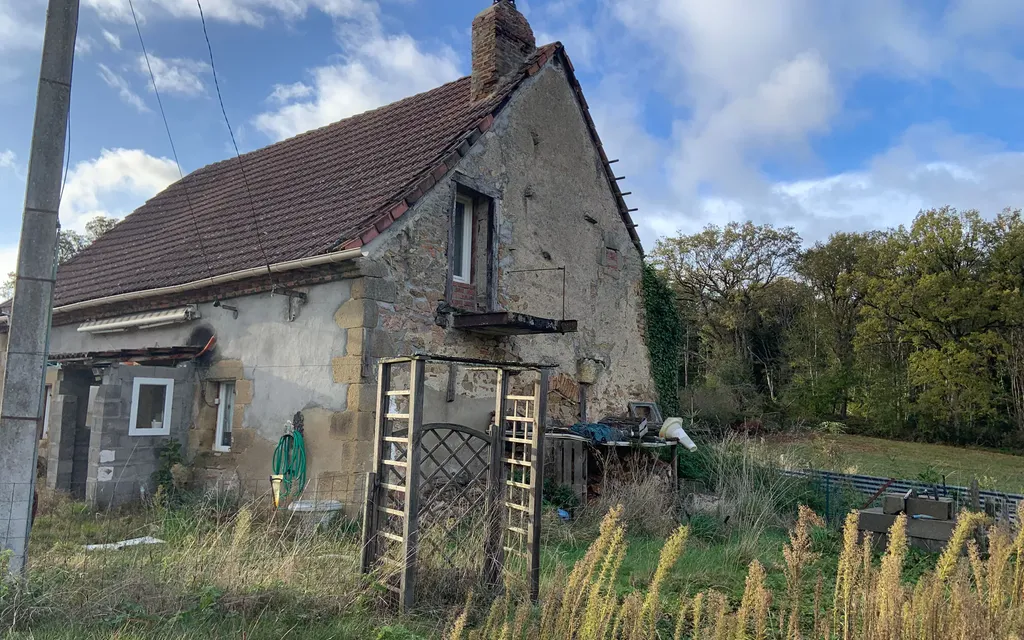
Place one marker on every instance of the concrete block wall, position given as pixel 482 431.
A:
pixel 121 466
pixel 68 426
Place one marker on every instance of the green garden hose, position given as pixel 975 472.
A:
pixel 290 463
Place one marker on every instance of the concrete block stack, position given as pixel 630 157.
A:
pixel 930 522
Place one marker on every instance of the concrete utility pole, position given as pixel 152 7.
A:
pixel 21 405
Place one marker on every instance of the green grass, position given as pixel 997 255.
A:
pixel 217 626
pixel 903 460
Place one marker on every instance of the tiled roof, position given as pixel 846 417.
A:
pixel 331 188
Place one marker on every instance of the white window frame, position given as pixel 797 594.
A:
pixel 467 239
pixel 222 386
pixel 168 384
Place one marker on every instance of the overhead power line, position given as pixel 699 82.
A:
pixel 238 156
pixel 170 139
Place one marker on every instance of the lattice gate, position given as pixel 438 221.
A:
pixel 448 505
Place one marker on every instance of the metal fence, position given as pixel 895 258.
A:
pixel 1003 506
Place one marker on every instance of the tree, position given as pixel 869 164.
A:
pixel 69 244
pixel 724 278
pixel 947 301
pixel 835 271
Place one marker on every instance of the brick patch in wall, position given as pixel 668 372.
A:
pixel 464 296
pixel 611 259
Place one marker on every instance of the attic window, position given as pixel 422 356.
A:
pixel 463 240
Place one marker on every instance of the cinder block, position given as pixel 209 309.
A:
pixel 357 313
pixel 347 369
pixel 939 509
pixel 374 289
pixel 930 529
pixel 892 503
pixel 875 521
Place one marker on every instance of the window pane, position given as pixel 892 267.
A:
pixel 227 413
pixel 459 248
pixel 150 411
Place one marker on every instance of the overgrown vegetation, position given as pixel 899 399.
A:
pixel 910 332
pixel 234 568
pixel 973 597
pixel 664 338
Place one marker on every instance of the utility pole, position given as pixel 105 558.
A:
pixel 21 403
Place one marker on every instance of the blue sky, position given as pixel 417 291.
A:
pixel 840 115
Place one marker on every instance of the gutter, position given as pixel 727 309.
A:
pixel 234 276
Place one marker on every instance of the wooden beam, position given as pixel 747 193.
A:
pixel 407 596
pixel 449 294
pixel 537 482
pixel 494 554
pixel 370 519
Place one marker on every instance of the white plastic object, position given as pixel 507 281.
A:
pixel 672 429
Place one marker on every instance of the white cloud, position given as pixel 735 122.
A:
pixel 930 166
pixel 112 39
pixel 748 84
pixel 124 90
pixel 250 12
pixel 20 28
pixel 287 92
pixel 84 45
pixel 177 76
pixel 113 184
pixel 7 159
pixel 377 71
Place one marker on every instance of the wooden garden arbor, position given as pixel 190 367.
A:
pixel 497 476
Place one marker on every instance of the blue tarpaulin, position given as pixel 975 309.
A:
pixel 599 433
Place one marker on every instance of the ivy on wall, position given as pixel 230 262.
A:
pixel 664 339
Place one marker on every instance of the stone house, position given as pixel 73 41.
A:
pixel 480 219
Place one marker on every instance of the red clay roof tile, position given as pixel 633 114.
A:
pixel 318 192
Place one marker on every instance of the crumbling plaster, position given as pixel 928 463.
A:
pixel 556 209
pixel 280 368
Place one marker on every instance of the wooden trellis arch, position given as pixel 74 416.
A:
pixel 433 478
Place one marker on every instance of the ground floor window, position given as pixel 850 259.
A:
pixel 151 407
pixel 225 416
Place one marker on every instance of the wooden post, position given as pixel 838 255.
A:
pixel 492 255
pixel 410 534
pixel 494 551
pixel 373 480
pixel 449 290
pixel 452 372
pixel 537 482
pixel 675 469
pixel 975 495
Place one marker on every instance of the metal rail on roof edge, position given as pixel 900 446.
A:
pixel 279 267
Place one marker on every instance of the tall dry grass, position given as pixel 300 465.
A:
pixel 969 595
pixel 244 560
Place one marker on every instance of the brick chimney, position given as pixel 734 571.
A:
pixel 502 40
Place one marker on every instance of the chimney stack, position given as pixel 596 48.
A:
pixel 502 41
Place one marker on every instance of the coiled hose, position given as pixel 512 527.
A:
pixel 290 463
